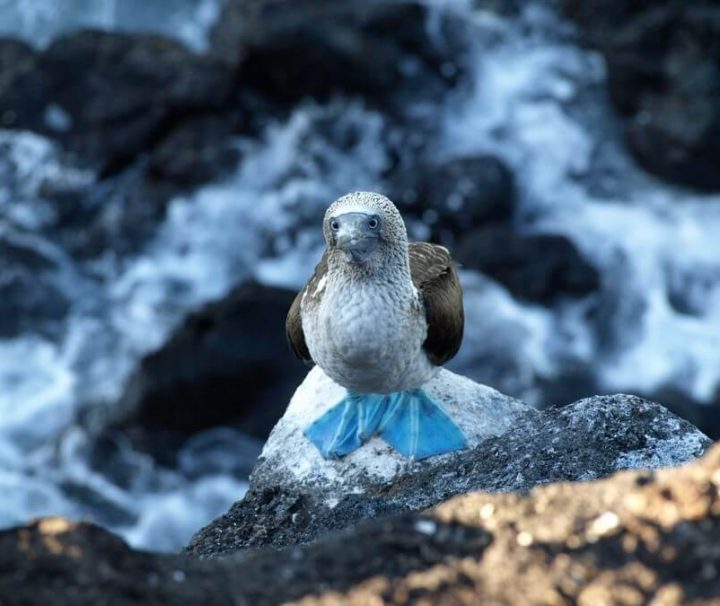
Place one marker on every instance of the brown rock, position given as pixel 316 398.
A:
pixel 636 538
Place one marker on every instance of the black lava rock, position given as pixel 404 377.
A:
pixel 22 85
pixel 663 62
pixel 31 296
pixel 55 561
pixel 109 96
pixel 196 151
pixel 290 50
pixel 229 363
pixel 457 196
pixel 537 267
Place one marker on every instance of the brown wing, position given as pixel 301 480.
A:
pixel 293 322
pixel 434 275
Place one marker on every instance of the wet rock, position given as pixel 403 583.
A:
pixel 119 214
pixel 537 267
pixel 21 84
pixel 457 196
pixel 229 363
pixel 288 51
pixel 663 68
pixel 109 96
pixel 31 296
pixel 627 539
pixel 198 150
pixel 48 195
pixel 295 496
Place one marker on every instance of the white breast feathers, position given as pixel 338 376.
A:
pixel 368 335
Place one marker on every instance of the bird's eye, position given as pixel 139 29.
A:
pixel 373 223
pixel 334 225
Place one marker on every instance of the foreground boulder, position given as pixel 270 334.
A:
pixel 637 538
pixel 295 496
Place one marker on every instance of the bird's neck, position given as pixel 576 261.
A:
pixel 392 267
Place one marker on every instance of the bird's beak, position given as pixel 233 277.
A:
pixel 355 237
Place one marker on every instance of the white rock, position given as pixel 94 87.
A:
pixel 480 412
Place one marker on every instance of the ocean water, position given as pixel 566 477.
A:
pixel 39 21
pixel 534 98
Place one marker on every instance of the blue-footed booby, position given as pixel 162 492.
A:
pixel 379 316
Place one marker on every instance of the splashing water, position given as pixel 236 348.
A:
pixel 39 21
pixel 209 242
pixel 539 103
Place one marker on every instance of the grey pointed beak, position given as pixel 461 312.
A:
pixel 357 235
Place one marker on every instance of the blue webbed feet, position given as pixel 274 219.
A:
pixel 418 427
pixel 344 428
pixel 413 423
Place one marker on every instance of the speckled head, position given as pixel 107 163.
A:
pixel 363 228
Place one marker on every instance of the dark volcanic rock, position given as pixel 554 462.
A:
pixel 55 561
pixel 663 61
pixel 629 539
pixel 109 95
pixel 457 196
pixel 229 363
pixel 197 151
pixel 288 50
pixel 21 84
pixel 538 267
pixel 118 214
pixel 30 292
pixel 589 439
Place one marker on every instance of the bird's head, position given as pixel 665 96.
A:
pixel 361 228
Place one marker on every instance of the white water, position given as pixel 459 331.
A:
pixel 39 21
pixel 536 100
pixel 208 242
pixel 539 103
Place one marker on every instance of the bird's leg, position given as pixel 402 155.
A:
pixel 418 427
pixel 347 425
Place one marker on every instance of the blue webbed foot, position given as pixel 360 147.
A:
pixel 418 427
pixel 413 423
pixel 347 425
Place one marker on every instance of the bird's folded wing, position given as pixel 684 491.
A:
pixel 434 275
pixel 293 322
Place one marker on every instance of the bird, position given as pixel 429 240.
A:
pixel 380 315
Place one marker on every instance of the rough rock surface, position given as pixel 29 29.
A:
pixel 663 63
pixel 295 496
pixel 639 537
